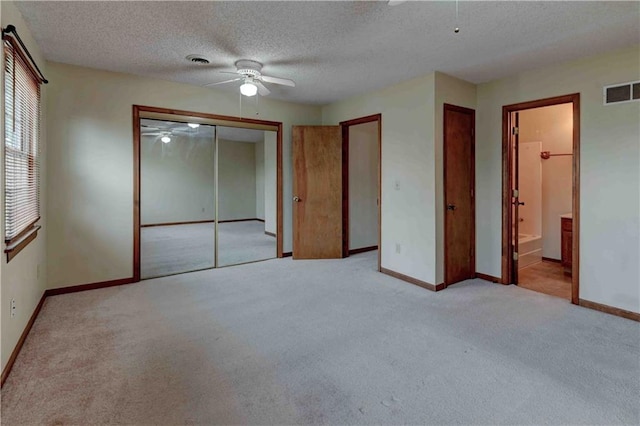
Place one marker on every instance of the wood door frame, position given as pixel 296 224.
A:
pixel 455 108
pixel 344 125
pixel 507 110
pixel 137 110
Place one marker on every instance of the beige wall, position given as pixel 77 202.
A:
pixel 609 171
pixel 176 180
pixel 412 191
pixel 363 185
pixel 24 278
pixel 236 180
pixel 553 127
pixel 408 179
pixel 91 163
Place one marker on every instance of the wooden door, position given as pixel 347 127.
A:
pixel 459 188
pixel 317 192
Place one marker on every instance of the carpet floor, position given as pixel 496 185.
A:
pixel 333 342
pixel 167 250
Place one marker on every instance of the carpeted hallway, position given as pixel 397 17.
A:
pixel 292 342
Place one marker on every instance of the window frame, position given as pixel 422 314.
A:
pixel 16 243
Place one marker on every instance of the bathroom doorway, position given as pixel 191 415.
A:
pixel 540 196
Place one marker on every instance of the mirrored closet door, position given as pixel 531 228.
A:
pixel 208 196
pixel 177 197
pixel 246 195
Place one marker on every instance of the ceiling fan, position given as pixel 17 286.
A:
pixel 250 73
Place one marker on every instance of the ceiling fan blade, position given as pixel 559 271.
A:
pixel 261 88
pixel 152 134
pixel 277 80
pixel 223 82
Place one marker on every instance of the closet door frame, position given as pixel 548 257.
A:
pixel 140 112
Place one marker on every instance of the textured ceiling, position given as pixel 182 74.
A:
pixel 333 50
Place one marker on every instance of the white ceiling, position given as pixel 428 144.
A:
pixel 235 134
pixel 333 50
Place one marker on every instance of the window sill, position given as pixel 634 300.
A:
pixel 16 247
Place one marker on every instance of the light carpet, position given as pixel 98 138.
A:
pixel 334 342
pixel 242 242
pixel 167 250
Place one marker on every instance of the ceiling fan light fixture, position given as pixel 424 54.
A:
pixel 193 125
pixel 165 139
pixel 248 89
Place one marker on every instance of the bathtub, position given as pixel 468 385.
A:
pixel 529 249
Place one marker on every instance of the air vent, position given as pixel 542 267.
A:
pixel 197 59
pixel 620 93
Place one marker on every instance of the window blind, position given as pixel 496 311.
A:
pixel 21 140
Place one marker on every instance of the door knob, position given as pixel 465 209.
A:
pixel 297 199
pixel 451 207
pixel 519 203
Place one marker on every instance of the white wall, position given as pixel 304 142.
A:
pixel 176 180
pixel 24 278
pixel 609 171
pixel 260 180
pixel 271 185
pixel 553 127
pixel 236 180
pixel 363 185
pixel 91 163
pixel 408 171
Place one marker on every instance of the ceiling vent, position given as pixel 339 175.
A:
pixel 197 59
pixel 620 93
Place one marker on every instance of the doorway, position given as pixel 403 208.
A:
pixel 459 194
pixel 323 201
pixel 541 196
pixel 361 177
pixel 207 191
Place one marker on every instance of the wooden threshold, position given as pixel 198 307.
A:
pixel 412 280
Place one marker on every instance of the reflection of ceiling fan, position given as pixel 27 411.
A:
pixel 249 72
pixel 164 134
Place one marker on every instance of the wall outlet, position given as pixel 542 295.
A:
pixel 398 248
pixel 397 185
pixel 203 210
pixel 13 308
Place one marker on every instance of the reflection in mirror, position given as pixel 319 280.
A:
pixel 177 197
pixel 246 195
